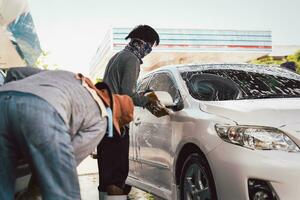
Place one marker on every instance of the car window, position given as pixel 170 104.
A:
pixel 1 78
pixel 210 87
pixel 142 85
pixel 164 82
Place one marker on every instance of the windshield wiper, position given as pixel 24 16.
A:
pixel 266 96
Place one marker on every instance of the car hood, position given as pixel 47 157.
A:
pixel 261 112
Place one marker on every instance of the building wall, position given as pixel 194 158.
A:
pixel 188 45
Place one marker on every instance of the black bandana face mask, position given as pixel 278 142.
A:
pixel 147 48
pixel 139 48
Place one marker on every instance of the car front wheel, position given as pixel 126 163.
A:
pixel 196 180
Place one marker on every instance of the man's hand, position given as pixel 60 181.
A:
pixel 152 98
pixel 155 107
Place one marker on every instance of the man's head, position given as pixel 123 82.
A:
pixel 142 39
pixel 145 33
pixel 289 65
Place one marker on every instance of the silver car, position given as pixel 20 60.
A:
pixel 232 133
pixel 23 172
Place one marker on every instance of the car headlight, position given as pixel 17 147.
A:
pixel 256 137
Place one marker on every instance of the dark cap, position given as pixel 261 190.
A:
pixel 291 65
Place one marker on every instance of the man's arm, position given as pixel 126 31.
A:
pixel 18 73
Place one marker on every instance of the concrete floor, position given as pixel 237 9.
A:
pixel 88 188
pixel 88 179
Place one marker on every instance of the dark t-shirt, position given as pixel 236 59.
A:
pixel 121 74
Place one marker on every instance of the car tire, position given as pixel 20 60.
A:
pixel 196 180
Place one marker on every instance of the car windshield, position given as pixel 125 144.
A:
pixel 228 84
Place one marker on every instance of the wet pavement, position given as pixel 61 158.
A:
pixel 88 179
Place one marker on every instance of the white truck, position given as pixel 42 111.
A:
pixel 17 50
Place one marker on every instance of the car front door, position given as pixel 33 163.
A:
pixel 134 128
pixel 154 137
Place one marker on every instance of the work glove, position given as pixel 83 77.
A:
pixel 152 97
pixel 155 107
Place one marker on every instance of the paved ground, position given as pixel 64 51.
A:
pixel 89 183
pixel 88 179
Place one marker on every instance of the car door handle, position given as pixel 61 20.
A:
pixel 138 121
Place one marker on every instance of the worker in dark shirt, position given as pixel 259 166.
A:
pixel 121 75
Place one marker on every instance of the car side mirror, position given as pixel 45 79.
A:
pixel 165 98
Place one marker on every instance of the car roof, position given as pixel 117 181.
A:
pixel 1 72
pixel 247 67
